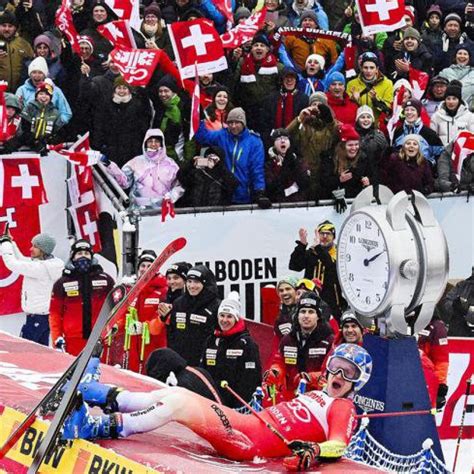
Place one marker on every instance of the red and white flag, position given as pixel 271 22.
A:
pixel 3 112
pixel 122 8
pixel 195 103
pixel 245 31
pixel 463 147
pixel 136 65
pixel 21 182
pixel 118 33
pixel 225 8
pixel 197 42
pixel 419 81
pixel 80 153
pixel 65 24
pixel 85 217
pixel 381 15
pixel 397 108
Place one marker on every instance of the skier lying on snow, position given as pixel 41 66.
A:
pixel 317 424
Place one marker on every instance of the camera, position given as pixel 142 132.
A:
pixel 3 46
pixel 202 163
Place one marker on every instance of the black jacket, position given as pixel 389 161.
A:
pixel 284 321
pixel 454 314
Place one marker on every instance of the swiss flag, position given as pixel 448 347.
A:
pixel 381 15
pixel 122 8
pixel 245 31
pixel 463 147
pixel 86 222
pixel 197 42
pixel 419 81
pixel 397 108
pixel 21 182
pixel 65 25
pixel 225 8
pixel 118 33
pixel 195 102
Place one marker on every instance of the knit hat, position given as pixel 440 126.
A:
pixel 365 109
pixel 327 226
pixel 309 14
pixel 439 80
pixel 349 317
pixel 179 268
pixel 215 150
pixel 88 40
pixel 309 299
pixel 316 57
pixel 465 47
pixel 402 82
pixel 241 12
pixel 120 81
pixel 237 115
pixel 169 82
pixel 44 242
pixel 8 17
pixel 11 100
pixel 414 103
pixel 195 273
pixel 409 11
pixel 288 71
pixel 454 90
pixel 191 13
pixel 147 256
pixel 153 9
pixel 289 280
pixel 278 133
pixel 348 133
pixel 411 32
pixel 81 244
pixel 42 39
pixel 369 57
pixel 411 136
pixel 434 10
pixel 318 97
pixel 260 38
pixel 231 305
pixel 38 64
pixel 45 87
pixel 452 17
pixel 336 76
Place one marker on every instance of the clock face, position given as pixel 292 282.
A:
pixel 363 263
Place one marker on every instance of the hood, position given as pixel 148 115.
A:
pixel 163 361
pixel 153 132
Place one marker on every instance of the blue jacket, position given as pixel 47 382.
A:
pixel 27 93
pixel 244 157
pixel 210 11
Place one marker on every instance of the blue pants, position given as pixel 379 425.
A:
pixel 36 328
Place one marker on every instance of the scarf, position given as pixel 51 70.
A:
pixel 121 100
pixel 250 67
pixel 311 33
pixel 284 112
pixel 239 326
pixel 445 40
pixel 172 112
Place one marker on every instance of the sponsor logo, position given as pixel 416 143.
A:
pixel 151 301
pixel 290 360
pixel 197 318
pixel 224 420
pixel 369 404
pixel 99 282
pixel 233 353
pixel 181 326
pixel 368 244
pixel 250 365
pixel 71 285
pixel 72 293
pixel 317 397
pixel 443 341
pixel 424 332
pixel 278 415
pixel 317 351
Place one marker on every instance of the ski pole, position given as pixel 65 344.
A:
pixel 272 392
pixel 225 384
pixel 131 317
pixel 108 342
pixel 397 413
pixel 461 426
pixel 145 342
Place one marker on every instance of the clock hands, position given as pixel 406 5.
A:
pixel 368 260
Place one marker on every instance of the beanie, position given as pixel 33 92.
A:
pixel 288 71
pixel 465 47
pixel 169 82
pixel 289 280
pixel 45 87
pixel 231 305
pixel 318 58
pixel 237 115
pixel 411 32
pixel 327 226
pixel 278 133
pixel 411 136
pixel 452 17
pixel 349 317
pixel 147 256
pixel 42 39
pixel 44 242
pixel 196 273
pixel 454 90
pixel 8 17
pixel 79 245
pixel 153 9
pixel 163 361
pixel 309 299
pixel 260 38
pixel 120 81
pixel 88 40
pixel 414 103
pixel 409 11
pixel 434 10
pixel 365 109
pixel 347 133
pixel 11 100
pixel 336 76
pixel 179 268
pixel 38 64
pixel 309 14
pixel 318 97
pixel 439 80
pixel 241 12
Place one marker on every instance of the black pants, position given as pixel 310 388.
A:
pixel 36 328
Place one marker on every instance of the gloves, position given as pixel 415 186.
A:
pixel 441 396
pixel 60 344
pixel 262 201
pixel 272 377
pixel 304 455
pixel 340 205
pixel 311 379
pixel 104 160
pixel 135 328
pixel 461 305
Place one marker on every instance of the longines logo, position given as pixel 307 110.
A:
pixel 368 244
pixel 369 404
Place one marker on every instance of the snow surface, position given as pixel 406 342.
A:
pixel 465 462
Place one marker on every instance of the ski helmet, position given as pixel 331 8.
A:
pixel 358 356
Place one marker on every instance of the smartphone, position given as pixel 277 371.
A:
pixel 3 46
pixel 202 163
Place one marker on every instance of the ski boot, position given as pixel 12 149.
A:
pixel 81 425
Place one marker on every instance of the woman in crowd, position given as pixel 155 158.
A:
pixel 216 113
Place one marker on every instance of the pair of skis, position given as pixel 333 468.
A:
pixel 115 305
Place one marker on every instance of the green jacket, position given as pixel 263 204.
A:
pixel 18 51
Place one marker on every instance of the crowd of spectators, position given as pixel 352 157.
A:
pixel 287 121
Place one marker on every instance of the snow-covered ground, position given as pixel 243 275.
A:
pixel 465 462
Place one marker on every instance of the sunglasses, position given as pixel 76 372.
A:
pixel 349 371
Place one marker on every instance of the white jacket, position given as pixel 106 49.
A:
pixel 448 127
pixel 39 277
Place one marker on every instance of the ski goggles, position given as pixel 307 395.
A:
pixel 348 370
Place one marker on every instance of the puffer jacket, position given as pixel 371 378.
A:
pixel 299 49
pixel 150 181
pixel 373 143
pixel 464 74
pixel 18 51
pixel 38 277
pixel 448 127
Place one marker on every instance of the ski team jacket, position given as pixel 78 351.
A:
pixel 233 356
pixel 433 341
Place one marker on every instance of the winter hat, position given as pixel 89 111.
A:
pixel 191 13
pixel 88 40
pixel 434 10
pixel 231 305
pixel 349 317
pixel 38 64
pixel 169 82
pixel 81 244
pixel 147 256
pixel 466 47
pixel 196 273
pixel 327 226
pixel 309 299
pixel 260 38
pixel 318 58
pixel 288 71
pixel 278 133
pixel 414 103
pixel 42 39
pixel 120 81
pixel 409 11
pixel 215 150
pixel 289 280
pixel 163 361
pixel 411 136
pixel 240 13
pixel 411 32
pixel 365 109
pixel 336 76
pixel 179 268
pixel 309 14
pixel 454 90
pixel 452 17
pixel 348 133
pixel 8 17
pixel 439 80
pixel 153 9
pixel 237 115
pixel 44 242
pixel 11 100
pixel 400 83
pixel 318 97
pixel 369 57
pixel 45 87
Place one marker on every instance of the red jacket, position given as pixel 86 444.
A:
pixel 76 302
pixel 433 341
pixel 344 109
